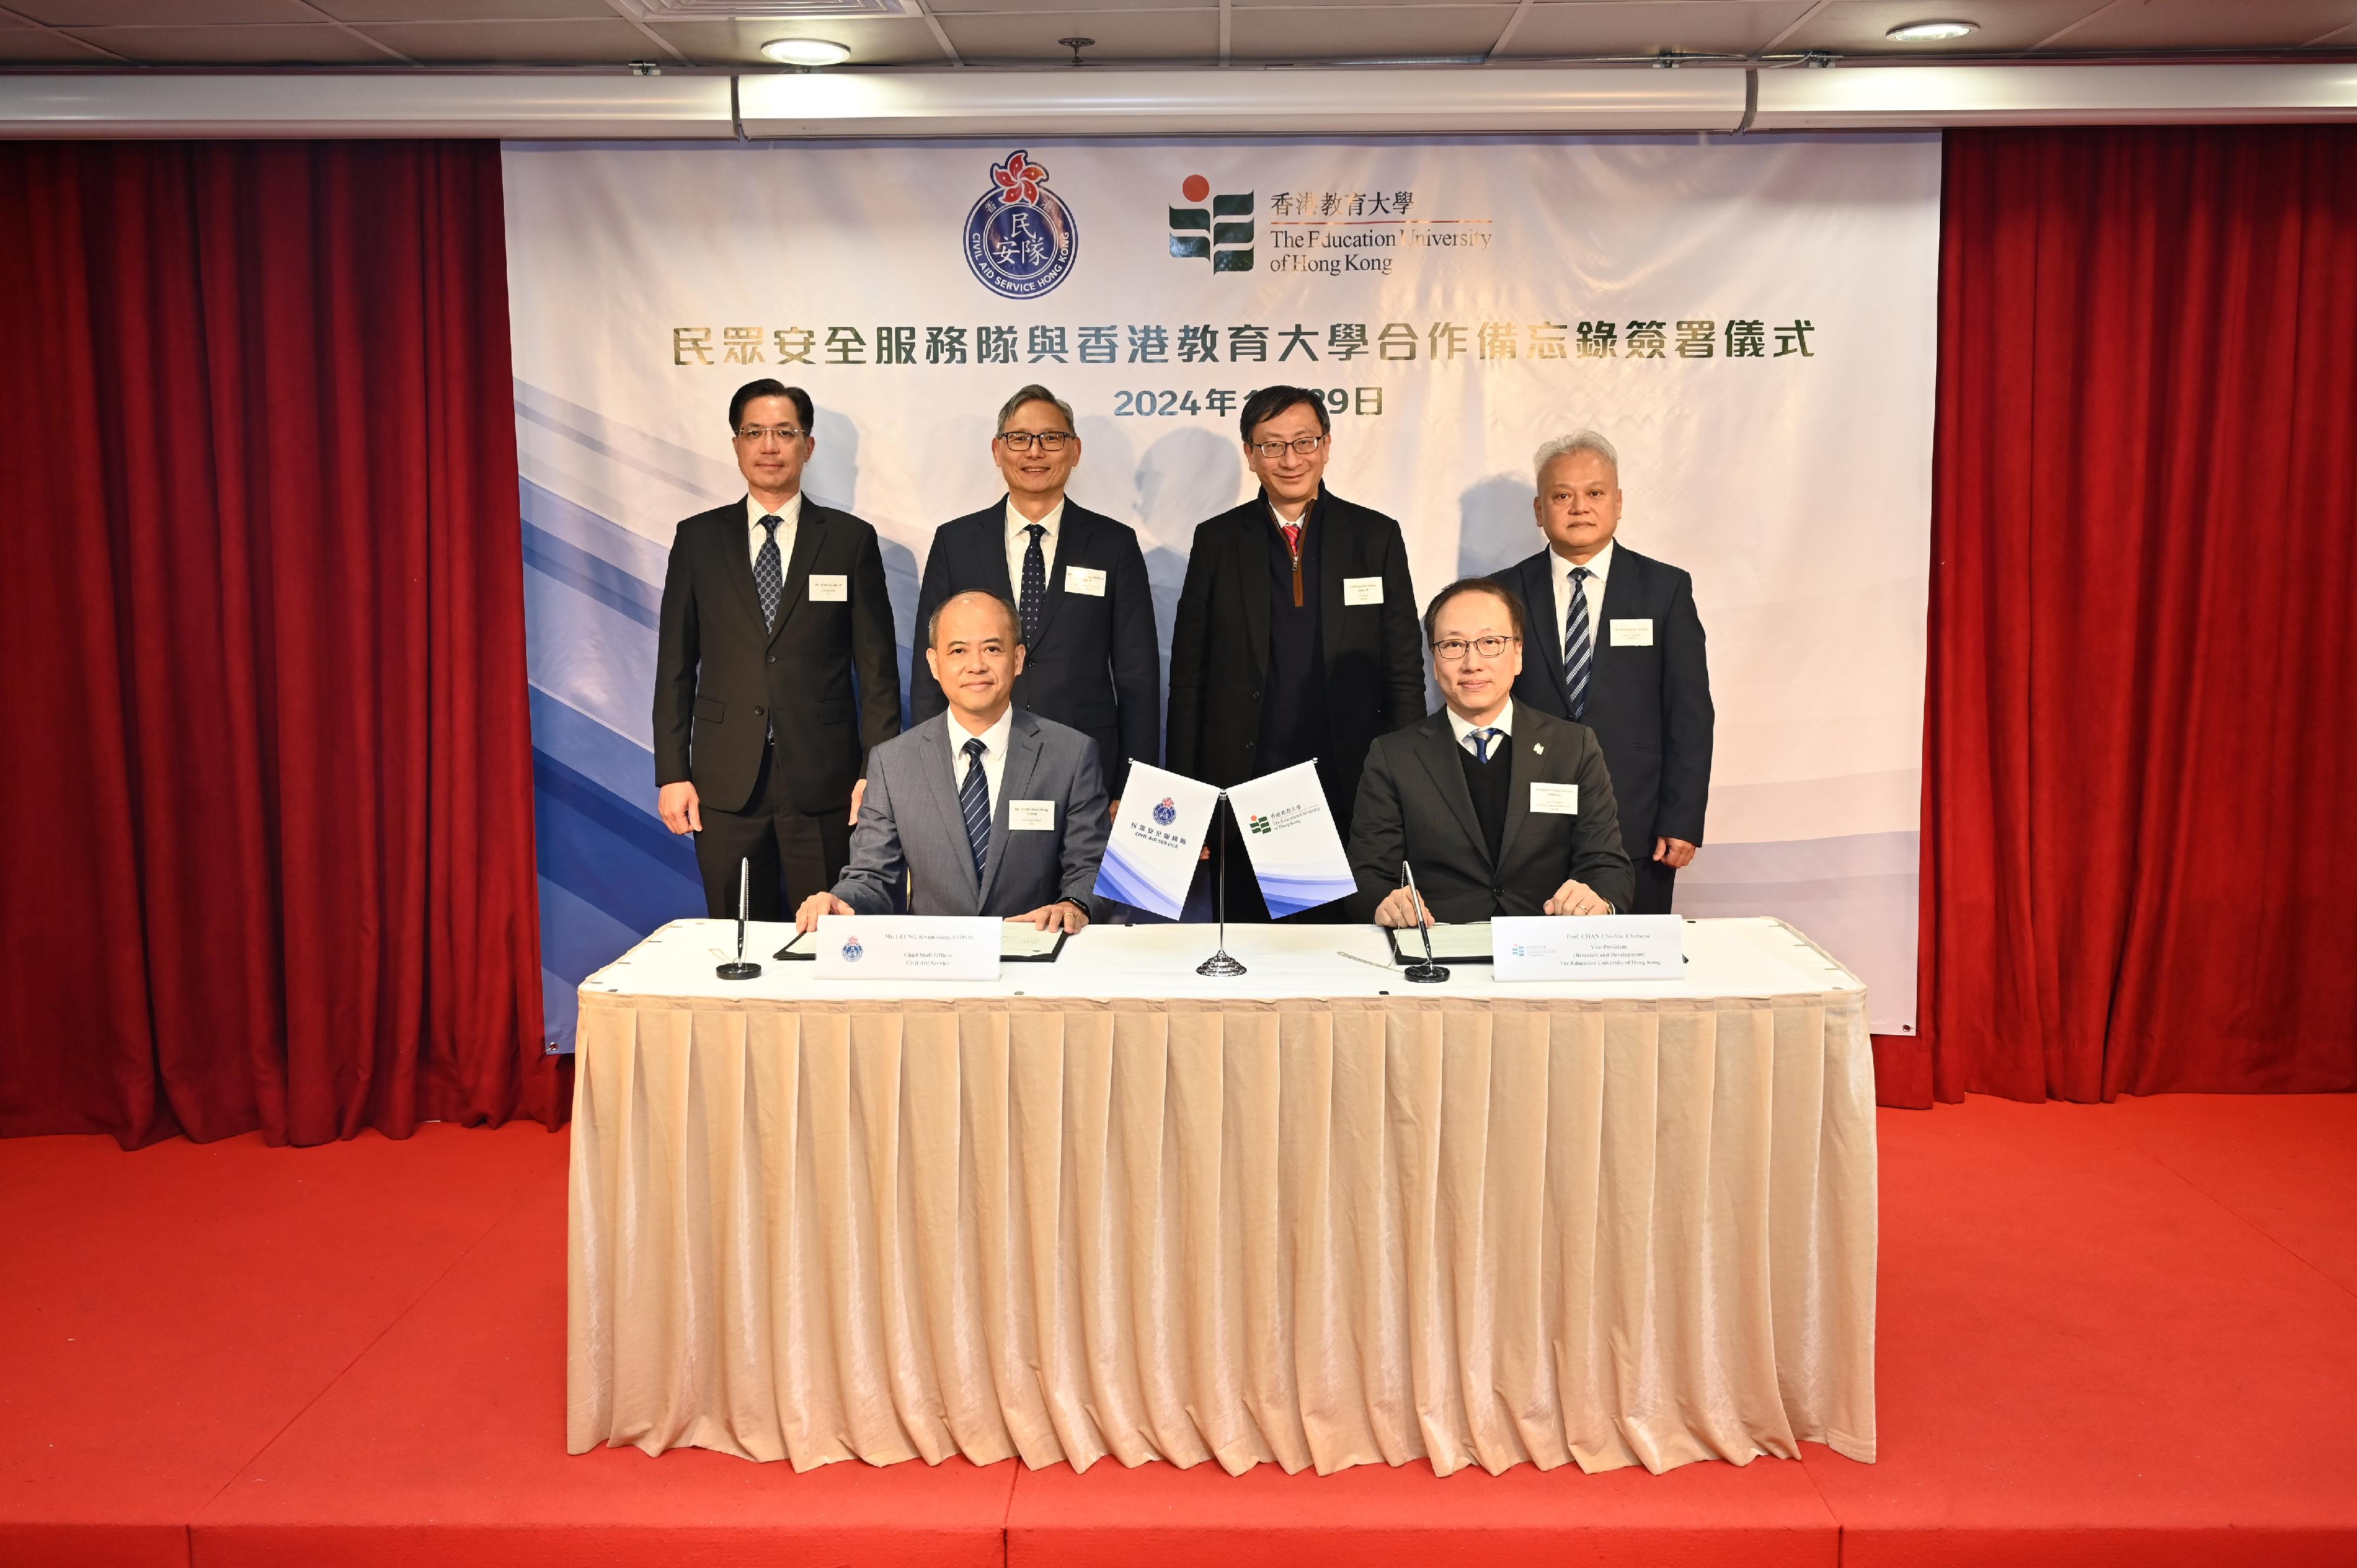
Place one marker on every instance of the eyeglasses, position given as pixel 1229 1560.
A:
pixel 783 431
pixel 1452 649
pixel 1302 446
pixel 1049 441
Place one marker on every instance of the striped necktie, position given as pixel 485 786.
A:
pixel 973 803
pixel 1577 653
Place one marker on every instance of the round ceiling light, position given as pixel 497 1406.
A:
pixel 805 51
pixel 1929 32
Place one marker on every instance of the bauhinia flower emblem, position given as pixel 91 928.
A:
pixel 1018 179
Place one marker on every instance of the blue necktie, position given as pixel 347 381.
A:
pixel 1035 586
pixel 973 801
pixel 1481 739
pixel 769 578
pixel 1577 654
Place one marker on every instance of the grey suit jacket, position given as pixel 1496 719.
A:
pixel 1414 805
pixel 910 826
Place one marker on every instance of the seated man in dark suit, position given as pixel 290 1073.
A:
pixel 1501 808
pixel 1078 580
pixel 984 810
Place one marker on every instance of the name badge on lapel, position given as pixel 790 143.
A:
pixel 1556 800
pixel 836 590
pixel 1633 633
pixel 1362 590
pixel 1084 580
pixel 1030 814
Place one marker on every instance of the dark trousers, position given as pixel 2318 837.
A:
pixel 1654 882
pixel 804 852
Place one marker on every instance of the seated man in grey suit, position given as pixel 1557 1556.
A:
pixel 1501 810
pixel 984 809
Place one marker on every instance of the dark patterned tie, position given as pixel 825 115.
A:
pixel 1481 739
pixel 1034 584
pixel 767 575
pixel 1577 654
pixel 973 801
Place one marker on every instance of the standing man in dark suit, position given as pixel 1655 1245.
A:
pixel 1078 580
pixel 1623 655
pixel 1295 635
pixel 776 669
pixel 1501 808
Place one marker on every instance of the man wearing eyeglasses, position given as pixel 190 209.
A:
pixel 1501 808
pixel 1296 636
pixel 1078 580
pixel 776 669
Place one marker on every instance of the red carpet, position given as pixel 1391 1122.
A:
pixel 2122 1334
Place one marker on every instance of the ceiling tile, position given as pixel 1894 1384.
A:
pixel 1119 35
pixel 159 13
pixel 1328 32
pixel 613 42
pixel 878 40
pixel 1858 27
pixel 2207 24
pixel 462 10
pixel 946 7
pixel 1371 5
pixel 30 46
pixel 317 44
pixel 1690 27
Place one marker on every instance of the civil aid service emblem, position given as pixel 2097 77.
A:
pixel 1020 238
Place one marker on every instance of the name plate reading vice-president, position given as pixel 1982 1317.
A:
pixel 906 947
pixel 1589 946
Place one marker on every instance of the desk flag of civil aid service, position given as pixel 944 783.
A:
pixel 1150 858
pixel 1296 853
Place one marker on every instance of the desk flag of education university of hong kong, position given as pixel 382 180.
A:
pixel 1149 860
pixel 1289 831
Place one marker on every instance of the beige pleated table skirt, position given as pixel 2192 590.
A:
pixel 1311 1216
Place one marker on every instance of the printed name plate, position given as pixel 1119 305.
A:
pixel 1588 947
pixel 906 947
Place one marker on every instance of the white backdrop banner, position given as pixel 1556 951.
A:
pixel 1751 321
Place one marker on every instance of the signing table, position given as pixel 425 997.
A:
pixel 1312 1215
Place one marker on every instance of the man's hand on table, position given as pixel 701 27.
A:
pixel 1400 907
pixel 1059 917
pixel 817 904
pixel 1577 898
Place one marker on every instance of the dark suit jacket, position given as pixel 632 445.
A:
pixel 1650 707
pixel 1414 805
pixel 1098 667
pixel 1219 646
pixel 723 682
pixel 911 827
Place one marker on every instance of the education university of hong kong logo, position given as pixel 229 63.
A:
pixel 1166 812
pixel 1259 825
pixel 852 952
pixel 1020 238
pixel 1220 234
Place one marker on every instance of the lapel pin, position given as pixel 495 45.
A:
pixel 1538 751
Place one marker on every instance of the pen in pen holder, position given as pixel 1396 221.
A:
pixel 741 969
pixel 1427 973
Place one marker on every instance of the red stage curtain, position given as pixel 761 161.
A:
pixel 268 824
pixel 2140 866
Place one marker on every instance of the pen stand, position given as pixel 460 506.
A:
pixel 740 968
pixel 1424 973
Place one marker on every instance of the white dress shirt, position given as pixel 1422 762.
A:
pixel 1503 724
pixel 994 756
pixel 1598 565
pixel 1018 544
pixel 792 515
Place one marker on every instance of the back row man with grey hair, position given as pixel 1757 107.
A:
pixel 1078 580
pixel 1617 646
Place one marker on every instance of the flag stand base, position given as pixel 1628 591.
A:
pixel 1219 966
